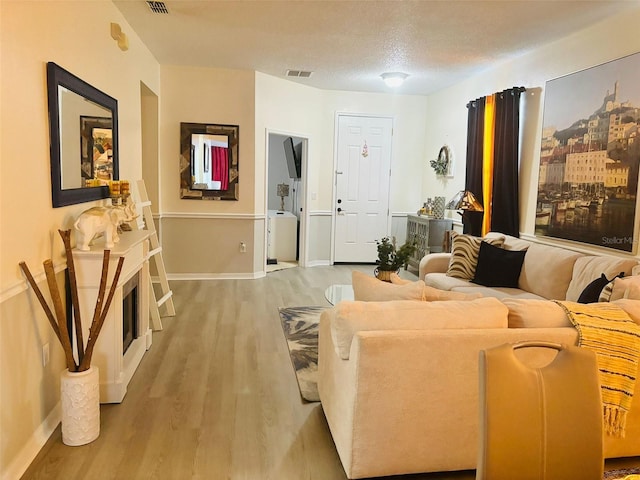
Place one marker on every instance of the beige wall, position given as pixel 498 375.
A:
pixel 608 40
pixel 32 33
pixel 408 154
pixel 76 36
pixel 261 103
pixel 216 228
pixel 287 107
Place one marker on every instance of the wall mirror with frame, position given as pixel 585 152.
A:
pixel 83 126
pixel 209 161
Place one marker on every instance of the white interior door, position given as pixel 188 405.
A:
pixel 363 170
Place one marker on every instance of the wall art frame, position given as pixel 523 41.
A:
pixel 590 156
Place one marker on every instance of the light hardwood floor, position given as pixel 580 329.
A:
pixel 216 397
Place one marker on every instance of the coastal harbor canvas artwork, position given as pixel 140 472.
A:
pixel 590 156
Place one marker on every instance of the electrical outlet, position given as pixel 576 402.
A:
pixel 45 354
pixel 243 247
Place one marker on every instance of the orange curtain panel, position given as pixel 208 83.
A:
pixel 487 160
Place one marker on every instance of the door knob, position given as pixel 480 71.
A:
pixel 339 201
pixel 339 209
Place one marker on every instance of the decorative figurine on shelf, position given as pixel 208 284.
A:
pixel 427 208
pixel 102 220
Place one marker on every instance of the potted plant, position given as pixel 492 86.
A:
pixel 391 259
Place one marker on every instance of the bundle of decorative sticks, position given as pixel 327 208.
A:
pixel 59 320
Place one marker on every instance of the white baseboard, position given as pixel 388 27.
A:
pixel 318 263
pixel 33 446
pixel 215 276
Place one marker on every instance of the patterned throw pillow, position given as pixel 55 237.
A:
pixel 464 254
pixel 605 294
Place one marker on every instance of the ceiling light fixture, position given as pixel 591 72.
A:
pixel 394 79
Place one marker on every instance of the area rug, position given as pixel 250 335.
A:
pixel 622 474
pixel 300 327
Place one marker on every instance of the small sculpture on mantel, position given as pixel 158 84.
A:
pixel 102 220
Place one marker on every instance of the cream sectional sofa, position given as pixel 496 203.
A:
pixel 547 272
pixel 398 380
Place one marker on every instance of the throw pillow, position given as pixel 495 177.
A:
pixel 369 289
pixel 633 292
pixel 464 254
pixel 605 294
pixel 591 292
pixel 621 285
pixel 498 267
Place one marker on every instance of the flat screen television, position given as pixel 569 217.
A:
pixel 293 156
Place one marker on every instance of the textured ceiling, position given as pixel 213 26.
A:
pixel 348 44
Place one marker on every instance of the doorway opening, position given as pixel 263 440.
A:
pixel 286 201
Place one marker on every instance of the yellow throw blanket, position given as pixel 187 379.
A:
pixel 606 329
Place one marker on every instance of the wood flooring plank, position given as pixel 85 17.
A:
pixel 216 398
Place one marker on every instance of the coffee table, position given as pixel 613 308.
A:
pixel 337 293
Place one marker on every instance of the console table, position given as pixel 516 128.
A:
pixel 428 234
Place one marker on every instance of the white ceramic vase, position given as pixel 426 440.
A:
pixel 80 399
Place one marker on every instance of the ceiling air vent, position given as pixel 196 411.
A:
pixel 299 73
pixel 157 7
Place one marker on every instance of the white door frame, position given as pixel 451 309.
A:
pixel 304 218
pixel 335 176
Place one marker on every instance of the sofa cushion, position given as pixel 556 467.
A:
pixel 633 291
pixel 588 268
pixel 430 294
pixel 464 254
pixel 631 307
pixel 525 313
pixel 353 317
pixel 547 271
pixel 498 267
pixel 443 281
pixel 369 289
pixel 623 287
pixel 497 292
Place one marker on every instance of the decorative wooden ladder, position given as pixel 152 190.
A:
pixel 156 254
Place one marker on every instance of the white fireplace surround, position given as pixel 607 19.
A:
pixel 116 368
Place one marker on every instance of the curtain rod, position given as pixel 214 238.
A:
pixel 511 90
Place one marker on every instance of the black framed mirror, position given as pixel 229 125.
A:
pixel 83 126
pixel 209 161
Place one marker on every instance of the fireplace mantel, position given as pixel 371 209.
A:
pixel 116 368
